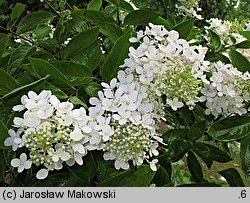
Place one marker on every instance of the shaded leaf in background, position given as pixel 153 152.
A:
pixel 112 31
pixel 197 130
pixel 97 17
pixel 94 5
pixel 15 14
pixel 215 40
pixel 3 135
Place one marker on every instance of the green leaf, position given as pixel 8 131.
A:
pixel 138 178
pixel 246 34
pixel 3 135
pixel 140 17
pixel 197 130
pixel 43 68
pixel 219 155
pixel 233 177
pixel 116 57
pixel 77 101
pixel 204 152
pixel 231 128
pixel 141 3
pixel 112 31
pixel 3 43
pixel 23 88
pixel 161 21
pixel 245 154
pixel 215 40
pixel 15 14
pixel 239 61
pixel 7 83
pixel 177 145
pixel 77 74
pixel 123 5
pixel 94 5
pixel 42 30
pixel 184 28
pixel 200 185
pixel 2 166
pixel 97 17
pixel 80 42
pixel 194 167
pixel 90 57
pixel 92 89
pixel 57 92
pixel 244 45
pixel 30 21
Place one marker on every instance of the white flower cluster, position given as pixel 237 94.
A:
pixel 167 65
pixel 189 7
pixel 227 92
pixel 52 131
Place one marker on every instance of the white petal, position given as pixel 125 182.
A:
pixel 32 95
pixel 27 164
pixel 86 129
pixel 20 169
pixel 65 156
pixel 19 107
pixel 23 157
pixel 76 135
pixel 18 121
pixel 94 101
pixel 41 174
pixel 153 165
pixel 15 162
pixel 8 141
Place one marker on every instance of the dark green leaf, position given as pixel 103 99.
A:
pixel 57 92
pixel 97 17
pixel 80 42
pixel 92 89
pixel 3 43
pixel 177 145
pixel 233 177
pixel 141 3
pixel 94 5
pixel 18 56
pixel 2 166
pixel 3 135
pixel 244 45
pixel 57 180
pixel 215 40
pixel 245 154
pixel 77 101
pixel 138 178
pixel 7 83
pixel 197 130
pixel 90 57
pixel 200 185
pixel 204 152
pixel 184 28
pixel 25 87
pixel 112 31
pixel 77 74
pixel 219 155
pixel 161 177
pixel 231 128
pixel 116 57
pixel 239 61
pixel 140 17
pixel 87 171
pixel 43 68
pixel 123 5
pixel 15 14
pixel 194 167
pixel 30 21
